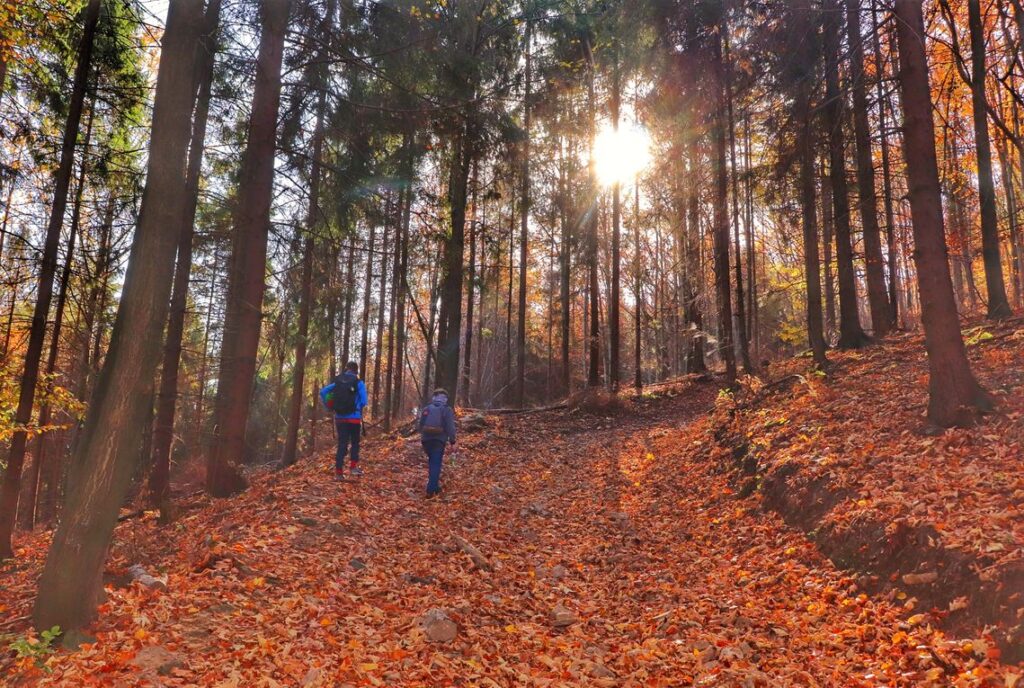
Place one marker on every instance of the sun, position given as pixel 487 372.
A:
pixel 620 155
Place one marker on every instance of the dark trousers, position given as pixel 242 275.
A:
pixel 348 434
pixel 435 456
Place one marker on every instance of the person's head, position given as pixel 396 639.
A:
pixel 441 391
pixel 352 367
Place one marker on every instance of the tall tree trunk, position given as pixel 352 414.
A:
pixel 11 485
pixel 809 54
pixel 887 192
pixel 108 449
pixel 951 385
pixel 615 296
pixel 721 211
pixel 364 342
pixel 247 280
pixel 163 430
pixel 593 284
pixel 638 379
pixel 752 307
pixel 403 271
pixel 467 364
pixel 524 243
pixel 828 241
pixel 695 356
pixel 998 305
pixel 346 337
pixel 42 468
pixel 450 325
pixel 741 312
pixel 404 198
pixel 564 266
pixel 851 335
pixel 393 212
pixel 878 300
pixel 291 440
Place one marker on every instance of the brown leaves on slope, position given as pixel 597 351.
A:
pixel 615 556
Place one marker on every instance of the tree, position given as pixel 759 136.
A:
pixel 247 279
pixel 851 335
pixel 721 208
pixel 163 426
pixel 878 299
pixel 952 388
pixel 48 268
pixel 524 226
pixel 808 53
pixel 108 447
pixel 998 305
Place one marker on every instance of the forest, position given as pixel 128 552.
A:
pixel 762 259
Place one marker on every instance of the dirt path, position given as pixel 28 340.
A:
pixel 611 560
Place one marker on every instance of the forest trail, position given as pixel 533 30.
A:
pixel 606 555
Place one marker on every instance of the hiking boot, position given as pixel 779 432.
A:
pixel 339 477
pixel 355 470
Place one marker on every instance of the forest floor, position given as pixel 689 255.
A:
pixel 578 548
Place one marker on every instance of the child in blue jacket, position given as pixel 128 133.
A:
pixel 346 396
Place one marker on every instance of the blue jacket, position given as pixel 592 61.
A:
pixel 447 420
pixel 360 398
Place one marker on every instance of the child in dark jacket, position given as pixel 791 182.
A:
pixel 437 428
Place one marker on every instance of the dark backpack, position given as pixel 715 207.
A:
pixel 343 399
pixel 433 419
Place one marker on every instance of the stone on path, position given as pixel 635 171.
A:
pixel 562 617
pixel 438 627
pixel 158 659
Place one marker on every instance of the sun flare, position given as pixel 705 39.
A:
pixel 620 155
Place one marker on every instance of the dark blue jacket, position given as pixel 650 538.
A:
pixel 360 397
pixel 447 420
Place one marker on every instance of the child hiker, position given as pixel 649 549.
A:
pixel 346 396
pixel 437 428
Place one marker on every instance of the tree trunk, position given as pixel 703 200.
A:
pixel 108 447
pixel 998 305
pixel 291 441
pixel 741 312
pixel 615 296
pixel 564 266
pixel 399 397
pixel 392 212
pixel 881 313
pixel 828 241
pixel 11 486
pixel 638 379
pixel 41 469
pixel 721 211
pixel 163 431
pixel 887 192
pixel 524 244
pixel 450 321
pixel 694 315
pixel 951 385
pixel 364 342
pixel 805 144
pixel 247 280
pixel 467 364
pixel 851 335
pixel 346 337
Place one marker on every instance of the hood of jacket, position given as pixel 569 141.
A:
pixel 439 400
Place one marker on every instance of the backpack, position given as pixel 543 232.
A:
pixel 343 397
pixel 433 419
